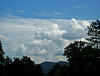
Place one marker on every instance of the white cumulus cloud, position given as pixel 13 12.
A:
pixel 75 24
pixel 22 50
pixel 41 39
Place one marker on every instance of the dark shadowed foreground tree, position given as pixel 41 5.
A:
pixel 59 70
pixel 1 54
pixel 83 59
pixel 18 67
pixel 94 33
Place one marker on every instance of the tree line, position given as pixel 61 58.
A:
pixel 83 58
pixel 20 67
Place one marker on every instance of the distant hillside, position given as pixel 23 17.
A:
pixel 46 66
pixel 63 63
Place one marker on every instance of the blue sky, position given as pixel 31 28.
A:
pixel 44 9
pixel 41 29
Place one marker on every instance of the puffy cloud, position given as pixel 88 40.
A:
pixel 76 30
pixel 85 24
pixel 75 24
pixel 51 30
pixel 56 30
pixel 41 39
pixel 22 50
pixel 37 53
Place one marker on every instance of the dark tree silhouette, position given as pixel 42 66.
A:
pixel 1 54
pixel 18 66
pixel 38 70
pixel 73 53
pixel 83 59
pixel 55 70
pixel 59 70
pixel 74 49
pixel 94 33
pixel 1 58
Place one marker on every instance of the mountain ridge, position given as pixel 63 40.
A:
pixel 46 66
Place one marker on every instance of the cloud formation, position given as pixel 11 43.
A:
pixel 21 50
pixel 47 14
pixel 87 5
pixel 41 39
pixel 75 24
pixel 2 37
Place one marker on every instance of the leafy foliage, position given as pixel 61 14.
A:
pixel 1 54
pixel 20 67
pixel 83 59
pixel 94 33
pixel 59 70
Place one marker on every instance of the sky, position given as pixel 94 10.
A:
pixel 41 29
